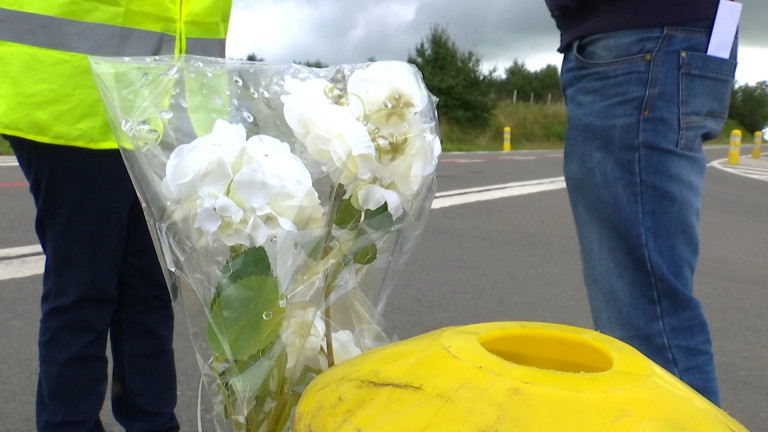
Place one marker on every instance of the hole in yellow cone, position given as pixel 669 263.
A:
pixel 545 349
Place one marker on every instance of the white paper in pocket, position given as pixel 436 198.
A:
pixel 724 29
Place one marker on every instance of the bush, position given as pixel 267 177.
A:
pixel 534 126
pixel 5 148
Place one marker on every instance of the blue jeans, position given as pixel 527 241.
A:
pixel 102 277
pixel 639 104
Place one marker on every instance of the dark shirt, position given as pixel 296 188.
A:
pixel 580 18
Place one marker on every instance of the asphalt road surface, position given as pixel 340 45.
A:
pixel 502 248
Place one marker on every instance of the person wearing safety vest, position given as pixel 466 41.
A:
pixel 102 275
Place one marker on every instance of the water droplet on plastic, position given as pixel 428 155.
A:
pixel 248 117
pixel 296 245
pixel 267 315
pixel 238 81
pixel 166 114
pixel 235 102
pixel 273 240
pixel 184 103
pixel 264 93
pixel 209 73
pixel 254 93
pixel 283 301
pixel 143 131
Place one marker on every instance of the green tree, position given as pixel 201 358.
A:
pixel 313 64
pixel 253 57
pixel 455 76
pixel 543 84
pixel 749 106
pixel 547 84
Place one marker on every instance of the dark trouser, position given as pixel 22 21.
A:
pixel 101 277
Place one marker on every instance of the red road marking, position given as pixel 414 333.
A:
pixel 495 158
pixel 12 185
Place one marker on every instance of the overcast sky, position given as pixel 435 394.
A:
pixel 351 31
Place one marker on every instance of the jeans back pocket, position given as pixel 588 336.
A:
pixel 705 93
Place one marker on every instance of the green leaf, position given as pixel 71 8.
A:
pixel 366 255
pixel 348 216
pixel 312 247
pixel 252 262
pixel 373 214
pixel 245 317
pixel 307 375
pixel 252 379
pixel 380 219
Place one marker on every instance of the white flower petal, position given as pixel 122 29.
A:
pixel 225 207
pixel 207 220
pixel 333 136
pixel 388 84
pixel 250 188
pixel 228 135
pixel 303 333
pixel 344 346
pixel 371 197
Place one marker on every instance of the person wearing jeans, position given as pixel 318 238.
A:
pixel 641 97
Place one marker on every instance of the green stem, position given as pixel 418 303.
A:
pixel 327 319
pixel 337 194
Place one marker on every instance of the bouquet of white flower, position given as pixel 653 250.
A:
pixel 282 200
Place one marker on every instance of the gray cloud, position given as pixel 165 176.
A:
pixel 753 31
pixel 350 31
pixel 344 31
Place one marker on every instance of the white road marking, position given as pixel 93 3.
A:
pixel 466 196
pixel 8 161
pixel 21 267
pixel 16 262
pixel 753 168
pixel 22 250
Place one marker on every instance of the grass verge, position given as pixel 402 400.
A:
pixel 534 127
pixel 5 148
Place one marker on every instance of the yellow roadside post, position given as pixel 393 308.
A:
pixel 734 151
pixel 507 137
pixel 756 146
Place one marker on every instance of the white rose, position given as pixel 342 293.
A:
pixel 331 133
pixel 241 191
pixel 388 85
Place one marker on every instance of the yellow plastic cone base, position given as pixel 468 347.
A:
pixel 509 376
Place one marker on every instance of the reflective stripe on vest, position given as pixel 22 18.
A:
pixel 88 38
pixel 47 91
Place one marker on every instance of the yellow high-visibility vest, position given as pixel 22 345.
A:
pixel 47 92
